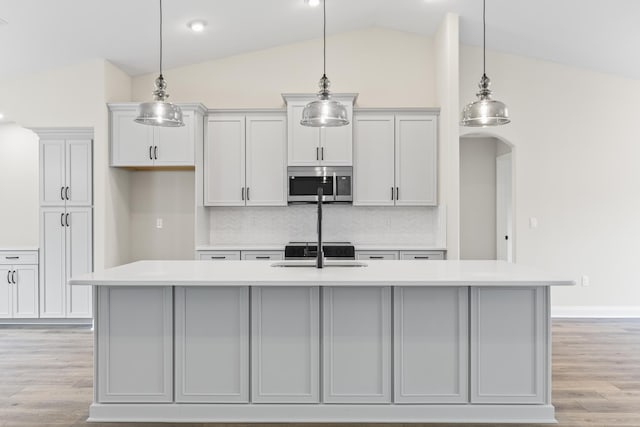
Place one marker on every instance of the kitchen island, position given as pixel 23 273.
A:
pixel 394 341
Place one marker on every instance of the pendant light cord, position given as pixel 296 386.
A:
pixel 484 39
pixel 160 38
pixel 324 37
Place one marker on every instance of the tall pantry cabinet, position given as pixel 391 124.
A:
pixel 66 221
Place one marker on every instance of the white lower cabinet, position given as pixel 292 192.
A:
pixel 431 335
pixel 135 344
pixel 212 344
pixel 18 291
pixel 356 344
pixel 508 363
pixel 285 366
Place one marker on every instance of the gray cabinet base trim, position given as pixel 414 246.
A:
pixel 230 413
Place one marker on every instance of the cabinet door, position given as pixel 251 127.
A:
pixel 224 162
pixel 52 262
pixel 266 161
pixel 421 255
pixel 416 160
pixel 357 370
pixel 509 333
pixel 212 344
pixel 52 172
pixel 6 293
pixel 336 143
pixel 25 292
pixel 304 141
pixel 175 146
pixel 374 160
pixel 135 344
pixel 431 345
pixel 78 173
pixel 79 260
pixel 131 142
pixel 285 337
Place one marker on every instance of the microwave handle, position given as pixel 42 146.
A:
pixel 335 187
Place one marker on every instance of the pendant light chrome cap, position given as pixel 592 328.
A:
pixel 324 112
pixel 159 112
pixel 485 111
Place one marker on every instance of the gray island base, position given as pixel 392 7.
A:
pixel 396 341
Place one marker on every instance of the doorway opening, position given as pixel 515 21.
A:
pixel 486 198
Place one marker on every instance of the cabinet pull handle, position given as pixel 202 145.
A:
pixel 67 220
pixel 66 193
pixel 8 275
pixel 391 193
pixel 242 191
pixel 12 257
pixel 218 257
pixel 247 193
pixel 62 219
pixel 155 152
pixel 375 257
pixel 397 193
pixel 263 257
pixel 61 193
pixel 420 257
pixel 322 153
pixel 150 150
pixel 317 155
pixel 13 277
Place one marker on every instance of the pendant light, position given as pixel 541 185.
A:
pixel 485 111
pixel 159 112
pixel 324 112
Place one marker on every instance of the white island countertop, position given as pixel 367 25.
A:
pixel 376 273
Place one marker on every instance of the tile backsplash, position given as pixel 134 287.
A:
pixel 358 224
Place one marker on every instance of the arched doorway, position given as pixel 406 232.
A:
pixel 486 197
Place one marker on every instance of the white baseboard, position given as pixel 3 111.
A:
pixel 596 311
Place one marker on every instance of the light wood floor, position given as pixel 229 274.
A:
pixel 45 375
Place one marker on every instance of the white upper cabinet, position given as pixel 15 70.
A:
pixel 137 145
pixel 416 160
pixel 309 146
pixel 65 177
pixel 395 158
pixel 224 161
pixel 266 151
pixel 245 160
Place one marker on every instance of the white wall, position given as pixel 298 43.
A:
pixel 478 198
pixel 388 68
pixel 165 195
pixel 18 187
pixel 576 170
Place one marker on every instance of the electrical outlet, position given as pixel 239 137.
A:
pixel 159 223
pixel 585 280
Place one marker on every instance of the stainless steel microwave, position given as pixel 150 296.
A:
pixel 335 181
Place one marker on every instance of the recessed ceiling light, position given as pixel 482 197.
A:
pixel 197 26
pixel 313 3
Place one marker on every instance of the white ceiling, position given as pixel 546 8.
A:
pixel 40 34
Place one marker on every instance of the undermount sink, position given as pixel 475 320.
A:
pixel 327 264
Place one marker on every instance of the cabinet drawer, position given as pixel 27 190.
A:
pixel 18 257
pixel 219 255
pixel 421 255
pixel 377 255
pixel 262 255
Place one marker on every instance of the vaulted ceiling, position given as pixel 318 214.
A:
pixel 602 35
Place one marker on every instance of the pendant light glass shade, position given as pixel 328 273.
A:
pixel 324 112
pixel 160 112
pixel 485 111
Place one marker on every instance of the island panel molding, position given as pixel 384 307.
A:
pixel 212 344
pixel 285 331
